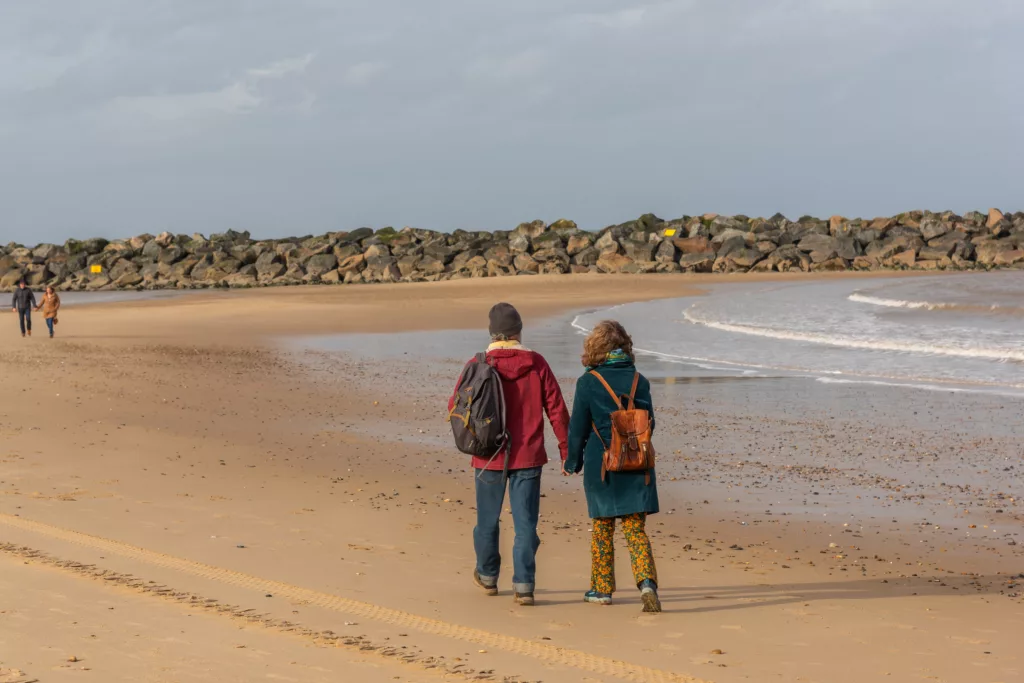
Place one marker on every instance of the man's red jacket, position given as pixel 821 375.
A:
pixel 531 391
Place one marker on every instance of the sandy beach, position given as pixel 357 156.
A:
pixel 187 495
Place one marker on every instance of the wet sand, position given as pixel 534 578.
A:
pixel 306 505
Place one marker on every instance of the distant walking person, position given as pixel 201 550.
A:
pixel 609 440
pixel 50 306
pixel 497 415
pixel 23 303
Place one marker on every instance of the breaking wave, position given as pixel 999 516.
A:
pixel 855 343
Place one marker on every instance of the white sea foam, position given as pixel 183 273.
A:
pixel 898 346
pixel 923 386
pixel 856 297
pixel 859 298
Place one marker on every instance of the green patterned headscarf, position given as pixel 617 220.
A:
pixel 617 356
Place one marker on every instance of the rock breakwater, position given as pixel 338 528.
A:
pixel 710 243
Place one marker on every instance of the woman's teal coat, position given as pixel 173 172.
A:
pixel 621 493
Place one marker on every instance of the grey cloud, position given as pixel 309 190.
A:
pixel 118 116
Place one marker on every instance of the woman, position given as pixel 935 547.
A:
pixel 625 496
pixel 50 306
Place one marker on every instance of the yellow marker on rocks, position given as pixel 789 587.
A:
pixel 96 269
pixel 670 233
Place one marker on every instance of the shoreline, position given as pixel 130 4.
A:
pixel 174 427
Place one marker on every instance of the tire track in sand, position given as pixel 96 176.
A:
pixel 550 654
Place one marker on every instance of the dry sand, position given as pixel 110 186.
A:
pixel 181 501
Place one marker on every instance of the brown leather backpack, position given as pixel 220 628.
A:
pixel 631 449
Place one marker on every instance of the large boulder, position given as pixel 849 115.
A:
pixel 500 254
pixel 1009 257
pixel 847 248
pixel 638 252
pixel 45 252
pixel 987 253
pixel 152 250
pixel 936 253
pixel 182 270
pixel 526 264
pixel 786 258
pixel 530 230
pixel 818 243
pixel 128 279
pixel 378 257
pixel 693 245
pixel 697 262
pixel 587 258
pixel 331 278
pixel 497 268
pixel 611 262
pixel 461 259
pixel 22 256
pixel 11 278
pixel 551 256
pixel 240 280
pixel 666 252
pixel 607 243
pixel 172 254
pixel 932 228
pixel 731 244
pixel 139 241
pixel 833 264
pixel 746 258
pixel 118 249
pixel 57 270
pixel 94 245
pixel 121 267
pixel 321 264
pixel 728 234
pixel 269 270
pixel 431 266
pixel 98 282
pixel 519 243
pixel 547 240
pixel 578 242
pixel 353 264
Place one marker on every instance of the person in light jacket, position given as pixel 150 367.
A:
pixel 49 307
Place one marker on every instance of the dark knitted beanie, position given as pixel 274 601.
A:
pixel 505 321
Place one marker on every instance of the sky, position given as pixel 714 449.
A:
pixel 293 117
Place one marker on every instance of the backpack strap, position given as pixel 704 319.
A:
pixel 615 398
pixel 632 391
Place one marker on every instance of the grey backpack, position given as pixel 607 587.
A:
pixel 477 416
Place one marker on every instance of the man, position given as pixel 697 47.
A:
pixel 530 391
pixel 23 303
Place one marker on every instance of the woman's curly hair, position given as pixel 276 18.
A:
pixel 607 336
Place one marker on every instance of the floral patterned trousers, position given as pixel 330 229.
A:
pixel 602 551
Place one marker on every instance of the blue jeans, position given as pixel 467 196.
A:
pixel 25 320
pixel 49 324
pixel 524 495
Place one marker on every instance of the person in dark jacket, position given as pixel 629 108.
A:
pixel 628 497
pixel 530 391
pixel 22 304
